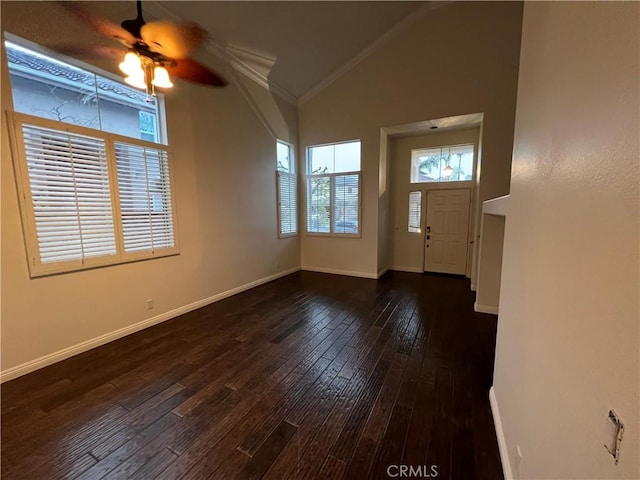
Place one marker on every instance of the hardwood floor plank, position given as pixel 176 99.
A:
pixel 201 419
pixel 139 419
pixel 381 410
pixel 311 376
pixel 345 444
pixel 261 431
pixel 114 458
pixel 268 452
pixel 363 459
pixel 229 468
pixel 220 437
pixel 332 468
pixel 462 442
pixel 317 414
pixel 439 452
pixel 154 466
pixel 420 427
pixel 314 455
pixel 392 444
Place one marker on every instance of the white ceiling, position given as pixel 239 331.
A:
pixel 436 125
pixel 295 45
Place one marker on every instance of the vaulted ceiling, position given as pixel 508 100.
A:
pixel 292 46
pixel 295 45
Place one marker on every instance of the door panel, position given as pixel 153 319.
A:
pixel 447 231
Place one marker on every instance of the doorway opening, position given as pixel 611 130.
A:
pixel 435 163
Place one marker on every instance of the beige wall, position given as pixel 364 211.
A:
pixel 457 58
pixel 224 163
pixel 568 329
pixel 490 263
pixel 408 248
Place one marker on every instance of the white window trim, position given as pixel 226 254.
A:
pixel 455 183
pixel 332 176
pixel 36 267
pixel 332 184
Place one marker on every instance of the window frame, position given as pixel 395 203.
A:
pixel 292 175
pixel 163 138
pixel 445 184
pixel 332 187
pixel 36 267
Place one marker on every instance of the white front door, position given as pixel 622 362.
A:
pixel 447 230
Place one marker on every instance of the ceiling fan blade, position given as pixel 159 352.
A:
pixel 172 40
pixel 101 25
pixel 89 51
pixel 190 70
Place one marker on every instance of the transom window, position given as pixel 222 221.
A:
pixel 450 163
pixel 333 188
pixel 46 87
pixel 94 181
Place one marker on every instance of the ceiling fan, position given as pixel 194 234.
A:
pixel 155 49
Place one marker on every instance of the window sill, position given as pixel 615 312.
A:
pixel 49 269
pixel 334 235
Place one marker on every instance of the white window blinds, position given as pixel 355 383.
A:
pixel 287 203
pixel 415 207
pixel 90 198
pixel 145 197
pixel 70 194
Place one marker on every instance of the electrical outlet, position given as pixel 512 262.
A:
pixel 150 304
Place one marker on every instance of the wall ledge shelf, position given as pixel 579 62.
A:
pixel 496 206
pixel 494 216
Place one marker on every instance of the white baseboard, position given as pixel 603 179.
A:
pixel 502 444
pixel 406 269
pixel 485 308
pixel 33 365
pixel 333 271
pixel 383 271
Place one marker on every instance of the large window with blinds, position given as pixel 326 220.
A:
pixel 333 189
pixel 89 196
pixel 287 190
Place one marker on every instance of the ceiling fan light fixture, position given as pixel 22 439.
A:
pixel 137 80
pixel 161 77
pixel 132 65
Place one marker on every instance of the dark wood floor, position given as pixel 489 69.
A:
pixel 310 376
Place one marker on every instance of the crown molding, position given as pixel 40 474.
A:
pixel 379 42
pixel 261 79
